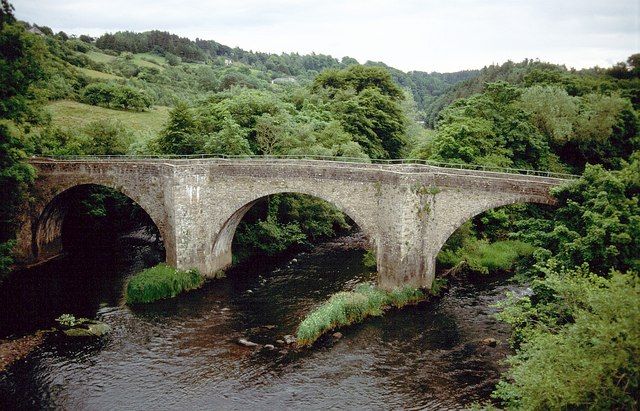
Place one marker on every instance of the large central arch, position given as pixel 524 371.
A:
pixel 221 246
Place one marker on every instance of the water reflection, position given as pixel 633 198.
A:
pixel 182 353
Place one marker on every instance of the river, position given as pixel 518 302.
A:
pixel 183 353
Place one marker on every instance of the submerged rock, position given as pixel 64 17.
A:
pixel 280 342
pixel 490 342
pixel 269 347
pixel 246 343
pixel 337 335
pixel 289 339
pixel 88 328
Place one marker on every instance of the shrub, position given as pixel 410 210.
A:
pixel 159 282
pixel 580 343
pixel 115 96
pixel 106 137
pixel 345 308
pixel 77 45
pixel 69 320
pixel 97 94
pixel 369 259
pixel 129 98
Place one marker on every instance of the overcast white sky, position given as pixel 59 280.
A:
pixel 428 35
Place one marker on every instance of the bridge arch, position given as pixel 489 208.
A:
pixel 47 230
pixel 221 248
pixel 457 217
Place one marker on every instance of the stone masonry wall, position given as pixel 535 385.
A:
pixel 407 212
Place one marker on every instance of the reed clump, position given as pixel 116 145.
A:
pixel 350 307
pixel 159 282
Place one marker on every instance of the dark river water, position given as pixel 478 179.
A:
pixel 182 353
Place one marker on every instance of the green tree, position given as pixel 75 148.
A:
pixel 129 98
pixel 271 131
pixel 367 103
pixel 230 140
pixel 597 221
pixel 21 66
pixel 15 178
pixel 358 78
pixel 606 132
pixel 106 137
pixel 491 129
pixel 180 135
pixel 552 110
pixel 576 336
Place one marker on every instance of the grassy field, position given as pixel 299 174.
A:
pixel 149 60
pixel 100 57
pixel 139 59
pixel 71 114
pixel 97 74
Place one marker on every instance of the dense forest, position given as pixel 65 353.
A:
pixel 576 337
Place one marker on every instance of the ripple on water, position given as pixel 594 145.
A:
pixel 183 353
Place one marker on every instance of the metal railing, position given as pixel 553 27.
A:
pixel 330 159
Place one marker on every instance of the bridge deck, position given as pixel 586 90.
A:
pixel 402 166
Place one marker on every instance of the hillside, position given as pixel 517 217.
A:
pixel 155 50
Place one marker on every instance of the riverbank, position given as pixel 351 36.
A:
pixel 19 348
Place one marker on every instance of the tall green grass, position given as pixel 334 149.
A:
pixel 483 257
pixel 161 281
pixel 345 308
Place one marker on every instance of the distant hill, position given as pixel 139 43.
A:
pixel 425 87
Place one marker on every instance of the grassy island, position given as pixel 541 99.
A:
pixel 159 282
pixel 349 307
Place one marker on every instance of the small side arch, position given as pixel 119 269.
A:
pixel 47 229
pixel 471 209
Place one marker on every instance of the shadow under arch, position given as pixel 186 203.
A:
pixel 222 245
pixel 48 234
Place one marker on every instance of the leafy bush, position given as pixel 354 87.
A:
pixel 345 308
pixel 369 259
pixel 159 282
pixel 578 343
pixel 285 221
pixel 269 237
pixel 231 140
pixel 115 96
pixel 482 256
pixel 106 137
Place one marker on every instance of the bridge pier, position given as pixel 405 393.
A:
pixel 403 256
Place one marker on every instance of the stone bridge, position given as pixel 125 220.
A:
pixel 408 211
